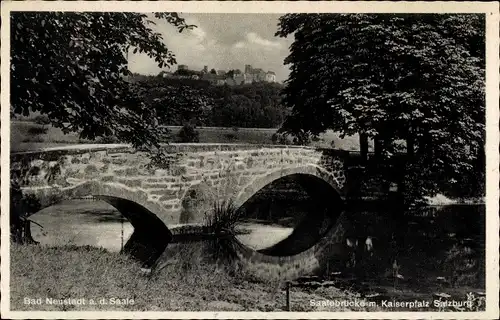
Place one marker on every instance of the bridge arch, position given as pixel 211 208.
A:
pixel 309 170
pixel 312 240
pixel 150 236
pixel 199 198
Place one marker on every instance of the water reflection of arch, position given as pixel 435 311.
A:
pixel 150 236
pixel 327 206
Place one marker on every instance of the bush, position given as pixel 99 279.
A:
pixel 279 138
pixel 301 139
pixel 42 120
pixel 188 133
pixel 230 136
pixel 222 221
pixel 36 131
pixel 223 217
pixel 107 139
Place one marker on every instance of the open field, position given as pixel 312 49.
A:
pixel 24 137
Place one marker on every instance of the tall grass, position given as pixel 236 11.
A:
pixel 222 221
pixel 223 217
pixel 190 280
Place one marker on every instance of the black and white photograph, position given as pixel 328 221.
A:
pixel 238 159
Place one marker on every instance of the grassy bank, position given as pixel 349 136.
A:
pixel 193 283
pixel 27 135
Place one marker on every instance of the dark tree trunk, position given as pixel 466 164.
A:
pixel 379 145
pixel 410 144
pixel 410 154
pixel 363 146
pixel 27 233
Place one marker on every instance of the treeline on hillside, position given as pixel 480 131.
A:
pixel 182 101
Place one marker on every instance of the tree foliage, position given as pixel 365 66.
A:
pixel 412 78
pixel 72 68
pixel 248 106
pixel 176 101
pixel 179 101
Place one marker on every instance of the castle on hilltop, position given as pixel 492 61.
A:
pixel 221 77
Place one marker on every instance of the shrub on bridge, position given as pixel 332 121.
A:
pixel 223 218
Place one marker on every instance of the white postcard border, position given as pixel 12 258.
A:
pixel 491 9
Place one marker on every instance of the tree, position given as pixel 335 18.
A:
pixel 72 68
pixel 177 101
pixel 412 78
pixel 180 104
pixel 213 71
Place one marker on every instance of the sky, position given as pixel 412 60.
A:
pixel 222 42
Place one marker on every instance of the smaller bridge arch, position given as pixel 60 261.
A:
pixel 150 236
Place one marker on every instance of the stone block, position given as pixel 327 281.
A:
pixel 107 178
pixel 161 172
pixel 132 171
pixel 134 183
pixel 244 181
pixel 118 161
pixel 156 185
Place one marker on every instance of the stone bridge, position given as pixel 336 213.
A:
pixel 155 195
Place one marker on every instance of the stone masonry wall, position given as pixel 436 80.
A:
pixel 180 193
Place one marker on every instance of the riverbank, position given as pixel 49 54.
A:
pixel 441 250
pixel 442 200
pixel 91 279
pixel 189 282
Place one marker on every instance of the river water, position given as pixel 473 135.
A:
pixel 435 248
